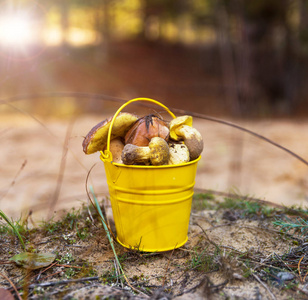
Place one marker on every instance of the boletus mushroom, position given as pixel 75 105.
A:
pixel 147 127
pixel 178 153
pixel 181 130
pixel 116 148
pixel 156 153
pixel 96 139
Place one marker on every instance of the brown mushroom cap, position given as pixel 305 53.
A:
pixel 141 133
pixel 96 139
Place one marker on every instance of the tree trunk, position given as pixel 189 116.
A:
pixel 64 20
pixel 227 60
pixel 102 21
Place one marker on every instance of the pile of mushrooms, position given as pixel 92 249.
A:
pixel 148 140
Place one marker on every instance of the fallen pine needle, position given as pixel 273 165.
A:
pixel 299 270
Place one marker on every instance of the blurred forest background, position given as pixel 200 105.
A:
pixel 61 62
pixel 220 57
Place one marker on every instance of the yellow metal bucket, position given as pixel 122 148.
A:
pixel 151 204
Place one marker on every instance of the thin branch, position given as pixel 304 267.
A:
pixel 29 115
pixel 14 180
pixel 264 285
pixel 104 97
pixel 61 170
pixel 207 237
pixel 201 116
pixel 53 274
pixel 167 267
pixel 39 275
pixel 44 126
pixel 279 258
pixel 79 95
pixel 90 199
pixel 61 282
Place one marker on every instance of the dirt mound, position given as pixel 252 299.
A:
pixel 234 251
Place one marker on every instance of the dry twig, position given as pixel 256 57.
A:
pixel 61 282
pixel 167 267
pixel 264 285
pixel 103 97
pixel 12 284
pixel 14 180
pixel 61 170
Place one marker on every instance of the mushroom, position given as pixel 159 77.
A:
pixel 141 133
pixel 178 153
pixel 181 130
pixel 116 148
pixel 157 153
pixel 96 139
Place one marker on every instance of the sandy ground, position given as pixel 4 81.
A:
pixel 231 162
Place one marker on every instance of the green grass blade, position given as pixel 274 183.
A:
pixel 7 220
pixel 107 230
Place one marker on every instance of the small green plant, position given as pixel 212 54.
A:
pixel 298 225
pixel 202 201
pixel 204 196
pixel 51 226
pixel 4 229
pixel 15 227
pixel 87 270
pixel 110 277
pixel 203 261
pixel 248 208
pixel 71 227
pixel 66 259
pixel 70 272
pixel 82 233
pixel 71 218
pixel 68 222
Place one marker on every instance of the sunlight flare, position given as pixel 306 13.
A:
pixel 15 30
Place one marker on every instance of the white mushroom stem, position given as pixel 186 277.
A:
pixel 192 139
pixel 116 148
pixel 133 155
pixel 157 153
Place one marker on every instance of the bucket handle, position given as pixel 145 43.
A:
pixel 107 155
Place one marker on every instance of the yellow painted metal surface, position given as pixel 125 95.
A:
pixel 151 204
